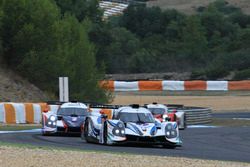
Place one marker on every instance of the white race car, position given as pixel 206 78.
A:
pixel 69 117
pixel 129 124
pixel 163 113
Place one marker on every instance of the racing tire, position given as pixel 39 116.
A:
pixel 105 133
pixel 85 132
pixel 169 146
pixel 44 134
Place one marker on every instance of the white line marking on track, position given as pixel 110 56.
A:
pixel 245 119
pixel 201 126
pixel 22 131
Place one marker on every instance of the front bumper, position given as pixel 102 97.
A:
pixel 48 130
pixel 156 140
pixel 69 130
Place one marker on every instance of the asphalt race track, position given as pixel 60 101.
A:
pixel 233 115
pixel 218 143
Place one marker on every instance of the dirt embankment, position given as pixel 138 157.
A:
pixel 14 88
pixel 18 157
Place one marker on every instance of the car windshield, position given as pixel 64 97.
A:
pixel 156 111
pixel 72 111
pixel 136 117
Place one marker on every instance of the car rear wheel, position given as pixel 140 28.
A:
pixel 44 133
pixel 169 146
pixel 105 133
pixel 85 132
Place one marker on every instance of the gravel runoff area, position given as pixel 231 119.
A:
pixel 12 156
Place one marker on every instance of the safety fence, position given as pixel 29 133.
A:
pixel 15 113
pixel 170 85
pixel 197 115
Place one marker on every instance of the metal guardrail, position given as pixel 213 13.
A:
pixel 197 115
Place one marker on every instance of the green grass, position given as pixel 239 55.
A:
pixel 18 127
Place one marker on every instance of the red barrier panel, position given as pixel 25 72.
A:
pixel 239 85
pixel 195 85
pixel 150 85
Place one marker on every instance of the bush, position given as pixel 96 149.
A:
pixel 242 75
pixel 216 73
pixel 198 75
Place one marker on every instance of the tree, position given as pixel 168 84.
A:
pixel 27 26
pixel 81 9
pixel 1 46
pixel 44 46
pixel 194 42
pixel 124 45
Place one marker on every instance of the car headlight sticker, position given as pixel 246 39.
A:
pixel 52 121
pixel 119 130
pixel 170 131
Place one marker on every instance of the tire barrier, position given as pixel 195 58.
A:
pixel 162 85
pixel 196 115
pixel 23 113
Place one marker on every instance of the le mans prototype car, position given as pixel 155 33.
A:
pixel 164 113
pixel 129 124
pixel 69 118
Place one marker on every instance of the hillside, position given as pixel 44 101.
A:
pixel 42 42
pixel 190 6
pixel 15 89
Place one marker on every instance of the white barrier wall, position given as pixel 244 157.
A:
pixel 160 85
pixel 20 113
pixel 126 86
pixel 37 113
pixel 217 85
pixel 15 113
pixel 173 85
pixel 2 113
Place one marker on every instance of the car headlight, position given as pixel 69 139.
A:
pixel 173 133
pixel 169 126
pixel 52 118
pixel 165 116
pixel 51 122
pixel 117 131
